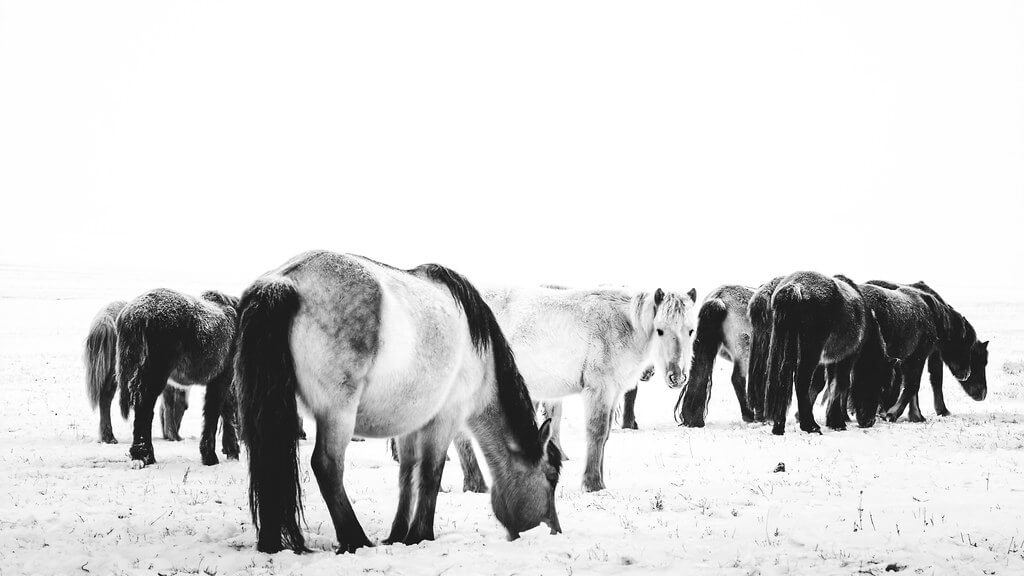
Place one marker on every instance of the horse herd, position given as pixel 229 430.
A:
pixel 422 357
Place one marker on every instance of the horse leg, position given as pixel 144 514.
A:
pixel 171 411
pixel 433 441
pixel 106 398
pixel 935 370
pixel 739 384
pixel 472 478
pixel 913 368
pixel 837 414
pixel 553 410
pixel 404 451
pixel 151 385
pixel 915 410
pixel 629 410
pixel 332 437
pixel 810 353
pixel 216 389
pixel 229 422
pixel 597 410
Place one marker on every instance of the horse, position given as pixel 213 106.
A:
pixel 594 343
pixel 100 359
pixel 165 334
pixel 381 352
pixel 723 329
pixel 919 327
pixel 821 320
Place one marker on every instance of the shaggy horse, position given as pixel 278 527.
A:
pixel 595 343
pixel 101 382
pixel 723 329
pixel 918 327
pixel 822 320
pixel 381 352
pixel 165 334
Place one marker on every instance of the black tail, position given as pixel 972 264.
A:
pixel 871 373
pixel 100 357
pixel 692 405
pixel 484 331
pixel 265 381
pixel 783 353
pixel 132 351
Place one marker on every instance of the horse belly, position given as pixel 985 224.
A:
pixel 550 369
pixel 424 345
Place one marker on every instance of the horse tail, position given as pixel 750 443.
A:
pixel 100 355
pixel 132 351
pixel 872 371
pixel 706 344
pixel 485 332
pixel 783 352
pixel 266 386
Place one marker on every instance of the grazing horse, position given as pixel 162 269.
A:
pixel 918 327
pixel 165 334
pixel 101 382
pixel 381 352
pixel 595 343
pixel 723 329
pixel 821 320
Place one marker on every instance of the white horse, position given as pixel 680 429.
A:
pixel 380 352
pixel 596 343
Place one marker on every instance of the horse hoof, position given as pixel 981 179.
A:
pixel 917 419
pixel 811 428
pixel 778 429
pixel 593 486
pixel 352 547
pixel 475 488
pixel 944 413
pixel 836 427
pixel 137 465
pixel 890 417
pixel 210 460
pixel 630 425
pixel 108 440
pixel 230 455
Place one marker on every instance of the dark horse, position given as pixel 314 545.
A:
pixel 919 327
pixel 723 329
pixel 101 382
pixel 165 334
pixel 821 320
pixel 380 352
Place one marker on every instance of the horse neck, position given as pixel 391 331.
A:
pixel 641 338
pixel 492 432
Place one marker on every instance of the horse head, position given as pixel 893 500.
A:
pixel 665 319
pixel 529 500
pixel 961 350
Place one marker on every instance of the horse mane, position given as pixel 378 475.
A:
pixel 485 332
pixel 218 297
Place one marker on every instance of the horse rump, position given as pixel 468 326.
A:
pixel 266 386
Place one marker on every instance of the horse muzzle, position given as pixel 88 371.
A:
pixel 676 379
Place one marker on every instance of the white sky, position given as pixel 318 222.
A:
pixel 674 143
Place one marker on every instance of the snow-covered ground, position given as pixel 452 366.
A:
pixel 943 497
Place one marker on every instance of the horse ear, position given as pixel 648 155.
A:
pixel 693 295
pixel 984 345
pixel 659 296
pixel 544 434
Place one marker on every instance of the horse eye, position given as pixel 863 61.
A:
pixel 660 332
pixel 691 332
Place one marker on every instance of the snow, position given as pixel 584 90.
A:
pixel 943 497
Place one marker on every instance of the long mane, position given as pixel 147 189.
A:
pixel 485 333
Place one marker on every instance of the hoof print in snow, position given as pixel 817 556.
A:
pixel 781 467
